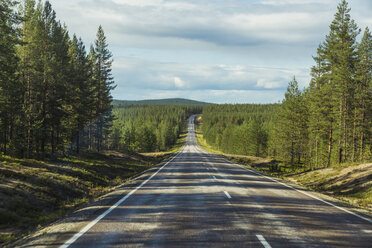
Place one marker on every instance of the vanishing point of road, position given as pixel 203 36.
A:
pixel 198 199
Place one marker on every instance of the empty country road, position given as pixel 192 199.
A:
pixel 198 199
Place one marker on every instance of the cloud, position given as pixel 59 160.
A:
pixel 212 49
pixel 178 83
pixel 140 3
pixel 295 2
pixel 234 23
pixel 218 80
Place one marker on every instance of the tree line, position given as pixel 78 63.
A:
pixel 52 92
pixel 329 122
pixel 148 128
pixel 239 129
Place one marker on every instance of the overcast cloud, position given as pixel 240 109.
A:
pixel 219 51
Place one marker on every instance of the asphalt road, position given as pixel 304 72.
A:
pixel 201 200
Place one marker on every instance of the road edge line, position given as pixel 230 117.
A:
pixel 263 241
pixel 96 220
pixel 293 188
pixel 313 196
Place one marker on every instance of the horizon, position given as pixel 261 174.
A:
pixel 187 99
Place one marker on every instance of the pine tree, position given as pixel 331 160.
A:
pixel 29 55
pixel 321 120
pixel 104 83
pixel 331 93
pixel 257 138
pixel 341 54
pixel 10 90
pixel 81 88
pixel 291 126
pixel 363 99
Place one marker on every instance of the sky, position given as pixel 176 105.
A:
pixel 219 51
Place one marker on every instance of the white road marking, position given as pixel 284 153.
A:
pixel 227 194
pixel 301 191
pixel 263 241
pixel 314 197
pixel 214 178
pixel 96 220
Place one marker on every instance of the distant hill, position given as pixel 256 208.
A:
pixel 169 101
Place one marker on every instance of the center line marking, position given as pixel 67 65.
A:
pixel 263 241
pixel 227 194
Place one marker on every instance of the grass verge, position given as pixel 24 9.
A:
pixel 35 193
pixel 350 183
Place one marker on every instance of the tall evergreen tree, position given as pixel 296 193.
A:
pixel 103 85
pixel 81 88
pixel 291 126
pixel 362 123
pixel 321 117
pixel 10 90
pixel 332 90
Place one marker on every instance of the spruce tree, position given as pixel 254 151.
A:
pixel 81 88
pixel 291 126
pixel 104 83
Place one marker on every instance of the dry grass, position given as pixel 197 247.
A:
pixel 34 193
pixel 351 183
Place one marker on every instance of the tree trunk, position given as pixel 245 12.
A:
pixel 330 147
pixel 292 153
pixel 78 143
pixel 362 139
pixel 354 138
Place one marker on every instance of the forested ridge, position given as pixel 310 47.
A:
pixel 52 93
pixel 168 101
pixel 329 122
pixel 149 128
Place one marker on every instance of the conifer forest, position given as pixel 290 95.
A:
pixel 231 126
pixel 329 122
pixel 52 92
pixel 55 97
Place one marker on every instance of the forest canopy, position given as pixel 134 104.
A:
pixel 52 92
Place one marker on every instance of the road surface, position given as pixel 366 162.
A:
pixel 199 199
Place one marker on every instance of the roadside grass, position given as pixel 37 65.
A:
pixel 349 182
pixel 34 193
